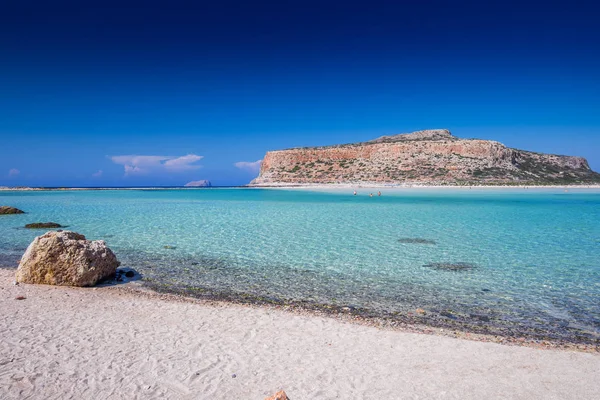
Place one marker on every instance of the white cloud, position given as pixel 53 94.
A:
pixel 13 172
pixel 131 170
pixel 97 174
pixel 140 161
pixel 183 163
pixel 135 165
pixel 253 166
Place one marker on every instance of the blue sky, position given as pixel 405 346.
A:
pixel 163 94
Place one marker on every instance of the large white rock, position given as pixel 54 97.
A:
pixel 67 259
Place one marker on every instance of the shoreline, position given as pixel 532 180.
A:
pixel 306 186
pixel 411 322
pixel 460 324
pixel 153 345
pixel 418 322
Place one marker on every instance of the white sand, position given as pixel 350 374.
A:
pixel 107 343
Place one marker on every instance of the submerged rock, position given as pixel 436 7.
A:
pixel 169 247
pixel 459 266
pixel 66 259
pixel 448 314
pixel 43 225
pixel 416 241
pixel 5 210
pixel 480 317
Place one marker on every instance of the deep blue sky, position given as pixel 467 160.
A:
pixel 83 81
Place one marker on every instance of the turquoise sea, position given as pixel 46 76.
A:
pixel 503 261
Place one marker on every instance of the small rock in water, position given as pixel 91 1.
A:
pixel 485 290
pixel 483 318
pixel 459 266
pixel 416 241
pixel 43 225
pixel 121 273
pixel 6 210
pixel 448 315
pixel 420 311
pixel 169 247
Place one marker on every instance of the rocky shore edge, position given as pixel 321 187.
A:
pixel 416 322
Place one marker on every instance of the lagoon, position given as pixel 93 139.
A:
pixel 504 261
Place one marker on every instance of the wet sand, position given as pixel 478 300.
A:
pixel 118 343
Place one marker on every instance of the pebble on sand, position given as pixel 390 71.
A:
pixel 278 396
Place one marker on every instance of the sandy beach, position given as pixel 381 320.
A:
pixel 117 343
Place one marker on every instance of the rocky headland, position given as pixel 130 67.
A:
pixel 429 157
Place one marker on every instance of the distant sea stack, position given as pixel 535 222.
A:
pixel 429 157
pixel 202 183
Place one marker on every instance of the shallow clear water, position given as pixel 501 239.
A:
pixel 520 261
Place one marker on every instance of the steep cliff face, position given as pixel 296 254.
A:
pixel 428 157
